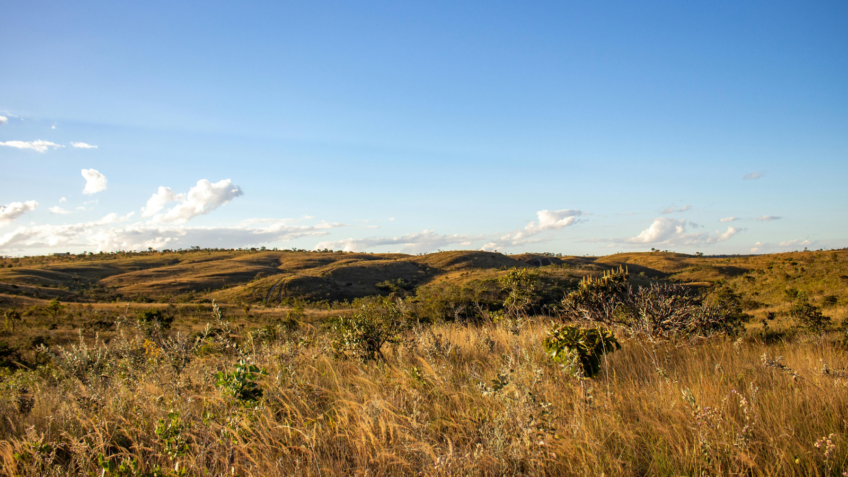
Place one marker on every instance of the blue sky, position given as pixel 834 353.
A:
pixel 567 127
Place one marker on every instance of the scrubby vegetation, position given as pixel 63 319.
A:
pixel 568 367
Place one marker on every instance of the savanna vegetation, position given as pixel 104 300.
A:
pixel 266 362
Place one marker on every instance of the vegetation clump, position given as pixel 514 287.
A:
pixel 655 311
pixel 579 351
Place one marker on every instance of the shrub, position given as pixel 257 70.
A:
pixel 364 333
pixel 808 315
pixel 599 300
pixel 657 311
pixel 241 382
pixel 519 285
pixel 152 323
pixel 579 350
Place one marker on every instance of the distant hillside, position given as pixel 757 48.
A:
pixel 273 276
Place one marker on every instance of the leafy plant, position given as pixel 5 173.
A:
pixel 241 382
pixel 170 432
pixel 364 333
pixel 579 350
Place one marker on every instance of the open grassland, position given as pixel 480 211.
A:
pixel 447 400
pixel 323 363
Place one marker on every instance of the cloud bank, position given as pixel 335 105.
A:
pixel 667 231
pixel 419 242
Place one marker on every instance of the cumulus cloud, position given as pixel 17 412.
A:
pixel 9 213
pixel 426 241
pixel 201 199
pixel 59 210
pixel 37 145
pixel 547 220
pixel 729 219
pixel 752 175
pixel 94 181
pixel 3 120
pixel 82 145
pixel 767 218
pixel 669 231
pixel 63 200
pixel 553 219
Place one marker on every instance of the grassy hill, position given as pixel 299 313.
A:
pixel 271 277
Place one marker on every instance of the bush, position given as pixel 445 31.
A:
pixel 153 323
pixel 657 311
pixel 241 382
pixel 579 350
pixel 364 333
pixel 808 315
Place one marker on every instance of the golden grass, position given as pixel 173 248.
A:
pixel 450 400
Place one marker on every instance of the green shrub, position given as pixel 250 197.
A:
pixel 808 315
pixel 579 350
pixel 364 333
pixel 152 322
pixel 241 382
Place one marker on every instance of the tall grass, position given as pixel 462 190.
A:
pixel 447 400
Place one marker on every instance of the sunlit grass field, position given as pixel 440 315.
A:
pixel 457 387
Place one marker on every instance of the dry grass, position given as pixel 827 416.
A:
pixel 449 400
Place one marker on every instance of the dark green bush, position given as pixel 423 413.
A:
pixel 579 350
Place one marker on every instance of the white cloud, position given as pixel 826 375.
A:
pixel 9 213
pixel 752 175
pixel 668 231
pixel 82 145
pixel 63 200
pixel 660 230
pixel 3 120
pixel 38 145
pixel 767 218
pixel 159 200
pixel 548 220
pixel 782 246
pixel 729 219
pixel 669 210
pixel 200 200
pixel 106 235
pixel 59 210
pixel 795 243
pixel 553 219
pixel 94 181
pixel 426 241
